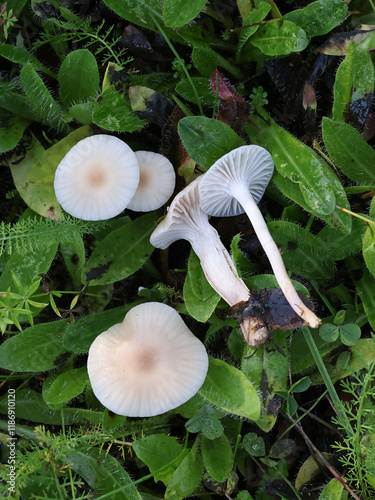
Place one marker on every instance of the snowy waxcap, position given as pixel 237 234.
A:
pixel 156 183
pixel 97 178
pixel 248 167
pixel 148 364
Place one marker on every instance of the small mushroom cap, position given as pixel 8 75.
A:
pixel 97 178
pixel 247 166
pixel 156 184
pixel 148 364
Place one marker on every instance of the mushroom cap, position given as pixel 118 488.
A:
pixel 97 178
pixel 185 218
pixel 148 364
pixel 247 166
pixel 156 184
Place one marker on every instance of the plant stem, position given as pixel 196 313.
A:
pixel 328 382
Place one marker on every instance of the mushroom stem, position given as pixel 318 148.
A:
pixel 274 256
pixel 218 267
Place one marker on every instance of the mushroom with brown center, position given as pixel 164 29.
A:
pixel 148 364
pixel 97 178
pixel 234 184
pixel 156 183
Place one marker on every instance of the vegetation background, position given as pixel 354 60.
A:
pixel 293 419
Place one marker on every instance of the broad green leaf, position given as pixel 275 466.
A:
pixel 78 77
pixel 31 406
pixel 74 255
pixel 354 79
pixel 320 17
pixel 20 55
pixel 255 16
pixel 261 281
pixel 207 421
pixel 113 112
pixel 79 335
pixel 41 99
pixel 368 243
pixel 329 332
pixel 302 252
pixel 104 474
pixel 217 457
pixel 82 112
pixel 254 445
pixel 200 298
pixel 122 252
pixel 340 245
pixel 229 389
pixel 333 491
pixel 66 386
pixel 43 169
pixel 176 13
pixel 18 105
pixel 206 139
pixel 350 333
pixel 349 151
pixel 365 288
pixel 205 60
pixel 162 455
pixel 319 189
pixel 206 95
pixel 36 349
pixel 11 134
pixel 188 475
pixel 308 471
pixel 279 38
pixel 281 448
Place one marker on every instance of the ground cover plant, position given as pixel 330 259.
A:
pixel 290 419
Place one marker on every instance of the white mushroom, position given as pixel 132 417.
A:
pixel 97 178
pixel 233 185
pixel 186 220
pixel 148 364
pixel 156 183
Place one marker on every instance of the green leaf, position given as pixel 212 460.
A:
pixel 281 448
pixel 301 174
pixel 349 151
pixel 66 386
pixel 206 139
pixel 254 445
pixel 354 78
pixel 199 297
pixel 301 385
pixel 350 334
pixel 217 457
pixel 104 474
pixel 31 406
pixel 368 243
pixel 113 112
pixel 162 455
pixel 229 389
pixel 41 99
pixel 207 421
pixel 302 252
pixel 187 476
pixel 329 332
pixel 320 17
pixel 78 77
pixel 79 335
pixel 11 134
pixel 333 491
pixel 205 60
pixel 340 245
pixel 20 55
pixel 279 38
pixel 176 13
pixel 206 95
pixel 255 16
pixel 36 349
pixel 122 252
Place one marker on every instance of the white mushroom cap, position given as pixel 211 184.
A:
pixel 156 184
pixel 97 178
pixel 148 364
pixel 249 166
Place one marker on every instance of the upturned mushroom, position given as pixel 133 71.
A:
pixel 148 364
pixel 234 184
pixel 186 220
pixel 156 184
pixel 97 178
